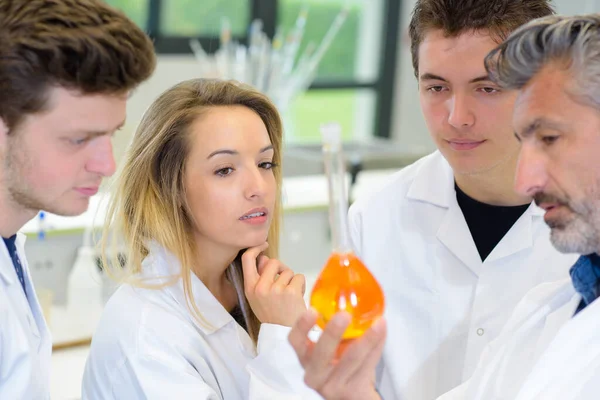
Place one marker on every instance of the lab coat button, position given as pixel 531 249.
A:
pixel 480 332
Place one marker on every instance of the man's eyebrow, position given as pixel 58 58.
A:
pixel 537 124
pixel 482 78
pixel 431 77
pixel 93 133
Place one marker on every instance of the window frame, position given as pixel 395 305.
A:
pixel 267 10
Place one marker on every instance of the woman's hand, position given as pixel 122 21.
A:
pixel 274 292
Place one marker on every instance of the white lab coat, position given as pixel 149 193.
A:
pixel 25 341
pixel 443 304
pixel 544 353
pixel 148 346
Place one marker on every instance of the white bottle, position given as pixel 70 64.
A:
pixel 84 297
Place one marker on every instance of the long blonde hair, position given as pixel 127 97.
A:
pixel 149 203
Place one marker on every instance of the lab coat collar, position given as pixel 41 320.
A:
pixel 7 270
pixel 434 183
pixel 454 229
pixel 161 266
pixel 536 211
pixel 519 237
pixel 28 305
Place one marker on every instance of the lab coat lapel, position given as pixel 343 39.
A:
pixel 454 233
pixel 555 321
pixel 161 266
pixel 572 353
pixel 20 301
pixel 434 184
pixel 38 326
pixel 7 273
pixel 26 307
pixel 520 235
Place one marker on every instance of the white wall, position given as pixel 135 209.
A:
pixel 408 126
pixel 169 71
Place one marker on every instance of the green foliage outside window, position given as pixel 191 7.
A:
pixel 195 18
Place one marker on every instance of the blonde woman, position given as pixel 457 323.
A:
pixel 206 307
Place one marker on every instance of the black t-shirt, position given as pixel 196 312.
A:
pixel 488 224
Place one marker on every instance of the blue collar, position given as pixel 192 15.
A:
pixel 585 275
pixel 10 243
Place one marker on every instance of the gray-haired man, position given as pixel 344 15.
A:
pixel 551 347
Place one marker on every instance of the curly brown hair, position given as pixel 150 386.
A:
pixel 82 45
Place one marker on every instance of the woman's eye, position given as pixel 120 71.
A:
pixel 267 165
pixel 224 171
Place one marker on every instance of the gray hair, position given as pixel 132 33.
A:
pixel 572 43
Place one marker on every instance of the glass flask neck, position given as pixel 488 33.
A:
pixel 338 202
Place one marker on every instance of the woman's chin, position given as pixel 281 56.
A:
pixel 254 243
pixel 247 243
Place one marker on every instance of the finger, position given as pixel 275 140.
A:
pixel 298 283
pixel 320 363
pixel 272 268
pixel 298 336
pixel 262 262
pixel 360 357
pixel 284 279
pixel 375 356
pixel 249 268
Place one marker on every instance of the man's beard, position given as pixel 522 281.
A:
pixel 15 171
pixel 580 231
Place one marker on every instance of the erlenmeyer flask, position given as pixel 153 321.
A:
pixel 345 283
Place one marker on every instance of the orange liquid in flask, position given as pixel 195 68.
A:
pixel 345 283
